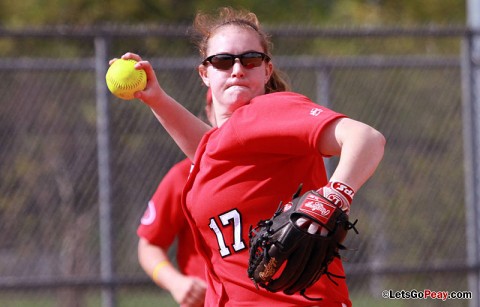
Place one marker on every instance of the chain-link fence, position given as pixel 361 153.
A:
pixel 78 166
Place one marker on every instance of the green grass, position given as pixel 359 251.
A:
pixel 153 298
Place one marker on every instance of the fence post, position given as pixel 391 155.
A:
pixel 471 120
pixel 104 181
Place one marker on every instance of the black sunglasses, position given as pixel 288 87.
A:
pixel 225 61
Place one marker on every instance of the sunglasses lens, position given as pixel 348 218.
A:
pixel 226 61
pixel 251 59
pixel 222 61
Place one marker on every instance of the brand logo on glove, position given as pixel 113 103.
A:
pixel 287 207
pixel 270 269
pixel 317 208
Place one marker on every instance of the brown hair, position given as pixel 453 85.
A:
pixel 205 25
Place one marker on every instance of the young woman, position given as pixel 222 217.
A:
pixel 267 142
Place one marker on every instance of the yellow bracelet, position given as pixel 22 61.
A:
pixel 158 267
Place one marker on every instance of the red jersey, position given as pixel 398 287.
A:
pixel 164 220
pixel 241 172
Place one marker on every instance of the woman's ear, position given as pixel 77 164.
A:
pixel 202 71
pixel 268 71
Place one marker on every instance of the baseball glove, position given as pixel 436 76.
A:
pixel 286 256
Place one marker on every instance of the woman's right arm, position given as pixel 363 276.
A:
pixel 185 128
pixel 186 290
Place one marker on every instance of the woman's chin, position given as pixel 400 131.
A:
pixel 239 94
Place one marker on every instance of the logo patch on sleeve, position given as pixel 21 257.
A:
pixel 149 215
pixel 315 111
pixel 318 208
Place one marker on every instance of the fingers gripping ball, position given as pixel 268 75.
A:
pixel 123 80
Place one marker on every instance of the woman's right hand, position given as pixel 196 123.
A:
pixel 184 127
pixel 153 93
pixel 188 291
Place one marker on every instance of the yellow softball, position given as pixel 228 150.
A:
pixel 123 80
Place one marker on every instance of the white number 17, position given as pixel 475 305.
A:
pixel 232 217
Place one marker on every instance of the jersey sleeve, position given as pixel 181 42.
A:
pixel 164 218
pixel 284 123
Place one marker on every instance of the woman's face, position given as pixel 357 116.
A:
pixel 236 86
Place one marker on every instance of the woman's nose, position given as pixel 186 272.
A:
pixel 238 70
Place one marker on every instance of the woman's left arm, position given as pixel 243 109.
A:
pixel 359 146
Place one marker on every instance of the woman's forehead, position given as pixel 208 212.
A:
pixel 232 36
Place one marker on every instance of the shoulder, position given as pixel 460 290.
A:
pixel 283 106
pixel 281 97
pixel 178 173
pixel 181 167
pixel 287 103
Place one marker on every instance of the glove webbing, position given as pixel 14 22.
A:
pixel 330 275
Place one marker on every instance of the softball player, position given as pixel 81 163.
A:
pixel 162 222
pixel 267 142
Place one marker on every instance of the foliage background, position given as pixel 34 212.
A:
pixel 31 13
